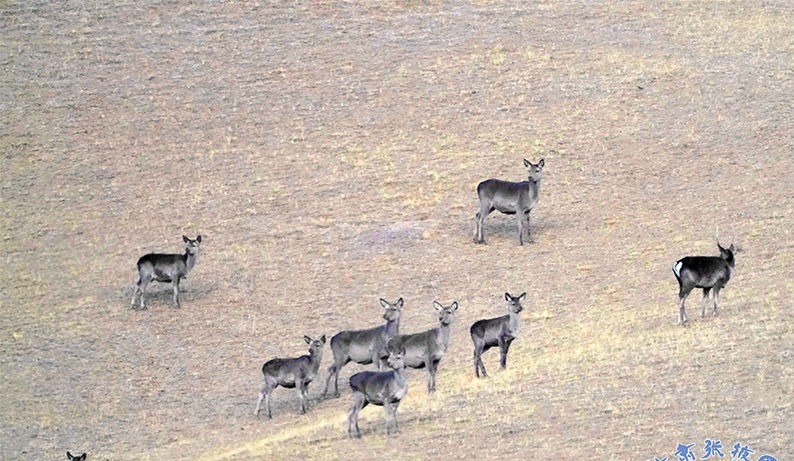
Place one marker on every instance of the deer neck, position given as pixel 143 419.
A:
pixel 392 327
pixel 513 322
pixel 442 338
pixel 190 259
pixel 400 376
pixel 315 357
pixel 534 187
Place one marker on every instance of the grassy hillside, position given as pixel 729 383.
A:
pixel 328 154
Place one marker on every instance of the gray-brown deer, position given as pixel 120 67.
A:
pixel 292 373
pixel 363 346
pixel 499 331
pixel 518 198
pixel 382 388
pixel 426 349
pixel 711 273
pixel 166 268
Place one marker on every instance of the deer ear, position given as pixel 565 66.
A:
pixel 541 163
pixel 507 296
pixel 198 239
pixel 69 455
pixel 527 163
pixel 184 237
pixel 307 339
pixel 454 306
pixel 438 306
pixel 399 303
pixel 521 296
pixel 81 457
pixel 383 303
pixel 322 339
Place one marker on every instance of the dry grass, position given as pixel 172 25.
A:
pixel 328 153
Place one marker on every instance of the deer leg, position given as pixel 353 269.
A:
pixel 523 222
pixel 265 394
pixel 377 360
pixel 359 402
pixel 529 231
pixel 395 405
pixel 520 228
pixel 681 312
pixel 299 385
pixel 477 352
pixel 706 294
pixel 259 402
pixel 501 350
pixel 477 238
pixel 716 308
pixel 432 367
pixel 387 410
pixel 143 282
pixel 479 234
pixel 175 283
pixel 504 349
pixel 682 294
pixel 478 365
pixel 332 370
pixel 482 367
pixel 391 417
pixel 134 295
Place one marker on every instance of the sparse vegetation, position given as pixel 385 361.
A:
pixel 329 152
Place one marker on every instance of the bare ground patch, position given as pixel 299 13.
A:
pixel 329 153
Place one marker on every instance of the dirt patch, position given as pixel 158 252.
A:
pixel 328 153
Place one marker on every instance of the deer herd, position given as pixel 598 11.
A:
pixel 392 352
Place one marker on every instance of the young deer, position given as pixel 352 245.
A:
pixel 71 457
pixel 426 349
pixel 166 268
pixel 289 373
pixel 499 331
pixel 509 198
pixel 363 346
pixel 382 388
pixel 710 273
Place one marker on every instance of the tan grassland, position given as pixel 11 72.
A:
pixel 328 153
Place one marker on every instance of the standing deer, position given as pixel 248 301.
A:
pixel 509 198
pixel 382 388
pixel 499 331
pixel 363 346
pixel 711 273
pixel 426 349
pixel 289 373
pixel 166 268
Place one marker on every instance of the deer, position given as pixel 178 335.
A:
pixel 518 198
pixel 166 268
pixel 291 373
pixel 426 349
pixel 499 331
pixel 711 273
pixel 71 457
pixel 381 388
pixel 363 346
